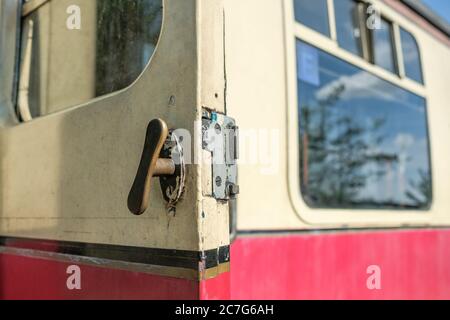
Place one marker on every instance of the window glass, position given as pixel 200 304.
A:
pixel 364 141
pixel 347 26
pixel 411 56
pixel 8 44
pixel 383 48
pixel 74 51
pixel 313 14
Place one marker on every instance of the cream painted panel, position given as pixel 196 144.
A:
pixel 436 61
pixel 66 176
pixel 211 55
pixel 75 47
pixel 213 220
pixel 255 56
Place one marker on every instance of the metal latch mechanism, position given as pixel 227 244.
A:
pixel 162 157
pixel 220 137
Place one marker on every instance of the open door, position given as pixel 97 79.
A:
pixel 80 156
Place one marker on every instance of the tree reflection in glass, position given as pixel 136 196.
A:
pixel 364 141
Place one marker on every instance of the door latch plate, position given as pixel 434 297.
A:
pixel 220 137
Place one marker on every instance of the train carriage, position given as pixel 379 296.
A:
pixel 225 149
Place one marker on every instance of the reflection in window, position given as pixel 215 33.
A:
pixel 411 56
pixel 347 26
pixel 364 141
pixel 125 57
pixel 61 67
pixel 383 48
pixel 313 14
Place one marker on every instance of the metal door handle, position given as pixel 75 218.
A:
pixel 151 165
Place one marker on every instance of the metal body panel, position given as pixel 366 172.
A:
pixel 66 176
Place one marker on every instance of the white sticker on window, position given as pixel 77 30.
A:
pixel 308 64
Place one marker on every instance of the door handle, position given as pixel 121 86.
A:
pixel 158 139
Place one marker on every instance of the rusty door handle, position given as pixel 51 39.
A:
pixel 151 165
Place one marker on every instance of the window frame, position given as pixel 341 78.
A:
pixel 401 61
pixel 394 44
pixel 329 217
pixel 330 15
pixel 367 38
pixel 363 40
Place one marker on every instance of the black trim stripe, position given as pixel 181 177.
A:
pixel 151 256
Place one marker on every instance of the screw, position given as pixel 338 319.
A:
pixel 218 181
pixel 233 189
pixel 218 128
pixel 206 114
pixel 172 101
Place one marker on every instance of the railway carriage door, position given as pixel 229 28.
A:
pixel 114 142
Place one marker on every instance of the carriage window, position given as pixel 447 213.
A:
pixel 364 141
pixel 411 56
pixel 74 51
pixel 347 26
pixel 8 42
pixel 383 47
pixel 313 14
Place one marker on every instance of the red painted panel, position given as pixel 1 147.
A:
pixel 415 264
pixel 217 288
pixel 33 278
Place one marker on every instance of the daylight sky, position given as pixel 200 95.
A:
pixel 441 7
